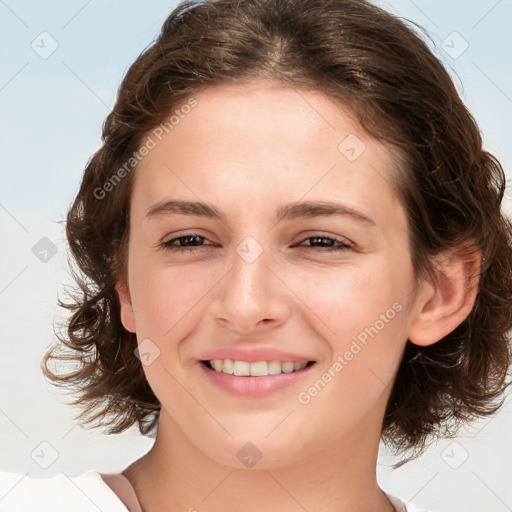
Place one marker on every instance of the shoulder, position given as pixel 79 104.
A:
pixel 60 493
pixel 402 506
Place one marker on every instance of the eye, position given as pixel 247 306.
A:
pixel 186 243
pixel 192 241
pixel 333 243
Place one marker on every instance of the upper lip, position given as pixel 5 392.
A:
pixel 253 354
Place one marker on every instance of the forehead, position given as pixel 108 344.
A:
pixel 262 142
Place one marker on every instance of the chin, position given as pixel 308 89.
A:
pixel 254 450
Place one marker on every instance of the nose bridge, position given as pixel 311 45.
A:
pixel 250 292
pixel 249 279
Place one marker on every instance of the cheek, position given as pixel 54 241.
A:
pixel 164 295
pixel 362 317
pixel 347 300
pixel 365 350
pixel 167 304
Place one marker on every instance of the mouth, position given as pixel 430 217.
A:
pixel 253 380
pixel 255 369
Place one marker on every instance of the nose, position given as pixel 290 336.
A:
pixel 251 297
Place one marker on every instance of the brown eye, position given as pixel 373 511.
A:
pixel 327 243
pixel 184 242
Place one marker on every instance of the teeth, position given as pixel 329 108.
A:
pixel 228 366
pixel 239 367
pixel 256 369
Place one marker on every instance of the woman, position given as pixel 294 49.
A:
pixel 291 247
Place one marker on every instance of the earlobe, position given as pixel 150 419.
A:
pixel 126 309
pixel 445 304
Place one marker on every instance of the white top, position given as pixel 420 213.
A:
pixel 87 492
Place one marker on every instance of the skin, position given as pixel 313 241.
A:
pixel 248 149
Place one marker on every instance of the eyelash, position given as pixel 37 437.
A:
pixel 168 245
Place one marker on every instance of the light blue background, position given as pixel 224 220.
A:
pixel 52 111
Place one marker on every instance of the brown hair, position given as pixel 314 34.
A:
pixel 451 189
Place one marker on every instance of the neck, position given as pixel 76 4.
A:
pixel 175 476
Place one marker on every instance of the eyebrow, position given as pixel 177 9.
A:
pixel 301 209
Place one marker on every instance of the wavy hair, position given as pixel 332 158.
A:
pixel 379 67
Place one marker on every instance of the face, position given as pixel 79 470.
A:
pixel 299 256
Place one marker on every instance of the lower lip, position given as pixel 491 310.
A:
pixel 254 387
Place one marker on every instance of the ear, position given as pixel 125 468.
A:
pixel 445 304
pixel 127 315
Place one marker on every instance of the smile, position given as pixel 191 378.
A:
pixel 258 379
pixel 255 369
